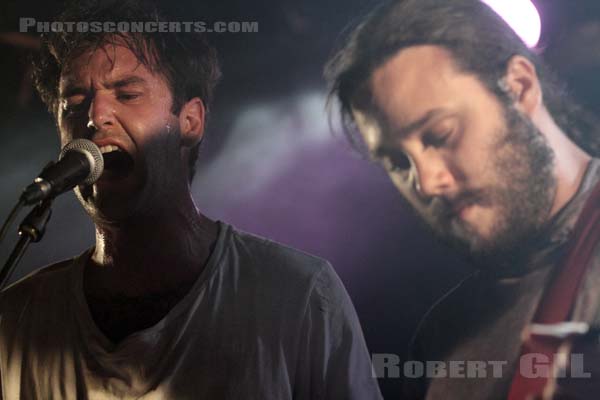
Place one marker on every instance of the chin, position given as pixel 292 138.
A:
pixel 106 209
pixel 501 247
pixel 465 238
pixel 106 215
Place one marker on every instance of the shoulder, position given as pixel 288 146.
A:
pixel 454 308
pixel 270 256
pixel 278 268
pixel 40 284
pixel 33 306
pixel 434 335
pixel 587 307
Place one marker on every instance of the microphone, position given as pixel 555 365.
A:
pixel 80 163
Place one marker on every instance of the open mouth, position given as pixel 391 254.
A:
pixel 117 162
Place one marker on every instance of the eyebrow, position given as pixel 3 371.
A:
pixel 71 90
pixel 129 80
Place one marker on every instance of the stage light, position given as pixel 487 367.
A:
pixel 522 16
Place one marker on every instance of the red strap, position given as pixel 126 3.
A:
pixel 559 299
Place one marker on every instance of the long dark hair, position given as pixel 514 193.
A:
pixel 480 42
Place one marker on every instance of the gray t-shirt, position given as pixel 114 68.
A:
pixel 262 321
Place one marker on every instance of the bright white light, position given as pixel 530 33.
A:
pixel 522 16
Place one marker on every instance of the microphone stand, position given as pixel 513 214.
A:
pixel 32 229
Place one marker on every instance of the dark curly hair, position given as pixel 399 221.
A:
pixel 187 61
pixel 480 42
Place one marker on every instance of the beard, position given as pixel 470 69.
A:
pixel 153 185
pixel 522 190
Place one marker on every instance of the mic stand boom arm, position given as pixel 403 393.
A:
pixel 32 229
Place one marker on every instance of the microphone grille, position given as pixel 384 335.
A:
pixel 92 152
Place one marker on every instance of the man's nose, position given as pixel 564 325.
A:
pixel 101 114
pixel 433 177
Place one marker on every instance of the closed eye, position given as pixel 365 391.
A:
pixel 128 96
pixel 395 161
pixel 436 140
pixel 75 105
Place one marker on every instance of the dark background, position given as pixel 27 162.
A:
pixel 271 165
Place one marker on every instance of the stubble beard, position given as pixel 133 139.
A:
pixel 522 194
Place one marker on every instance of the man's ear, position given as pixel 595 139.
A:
pixel 192 118
pixel 522 84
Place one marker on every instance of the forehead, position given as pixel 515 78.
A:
pixel 417 80
pixel 105 64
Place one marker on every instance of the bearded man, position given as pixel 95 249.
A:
pixel 486 147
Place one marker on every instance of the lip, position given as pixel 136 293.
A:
pixel 463 212
pixel 110 142
pixel 108 179
pixel 458 209
pixel 108 175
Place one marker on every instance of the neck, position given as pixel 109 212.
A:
pixel 152 254
pixel 570 165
